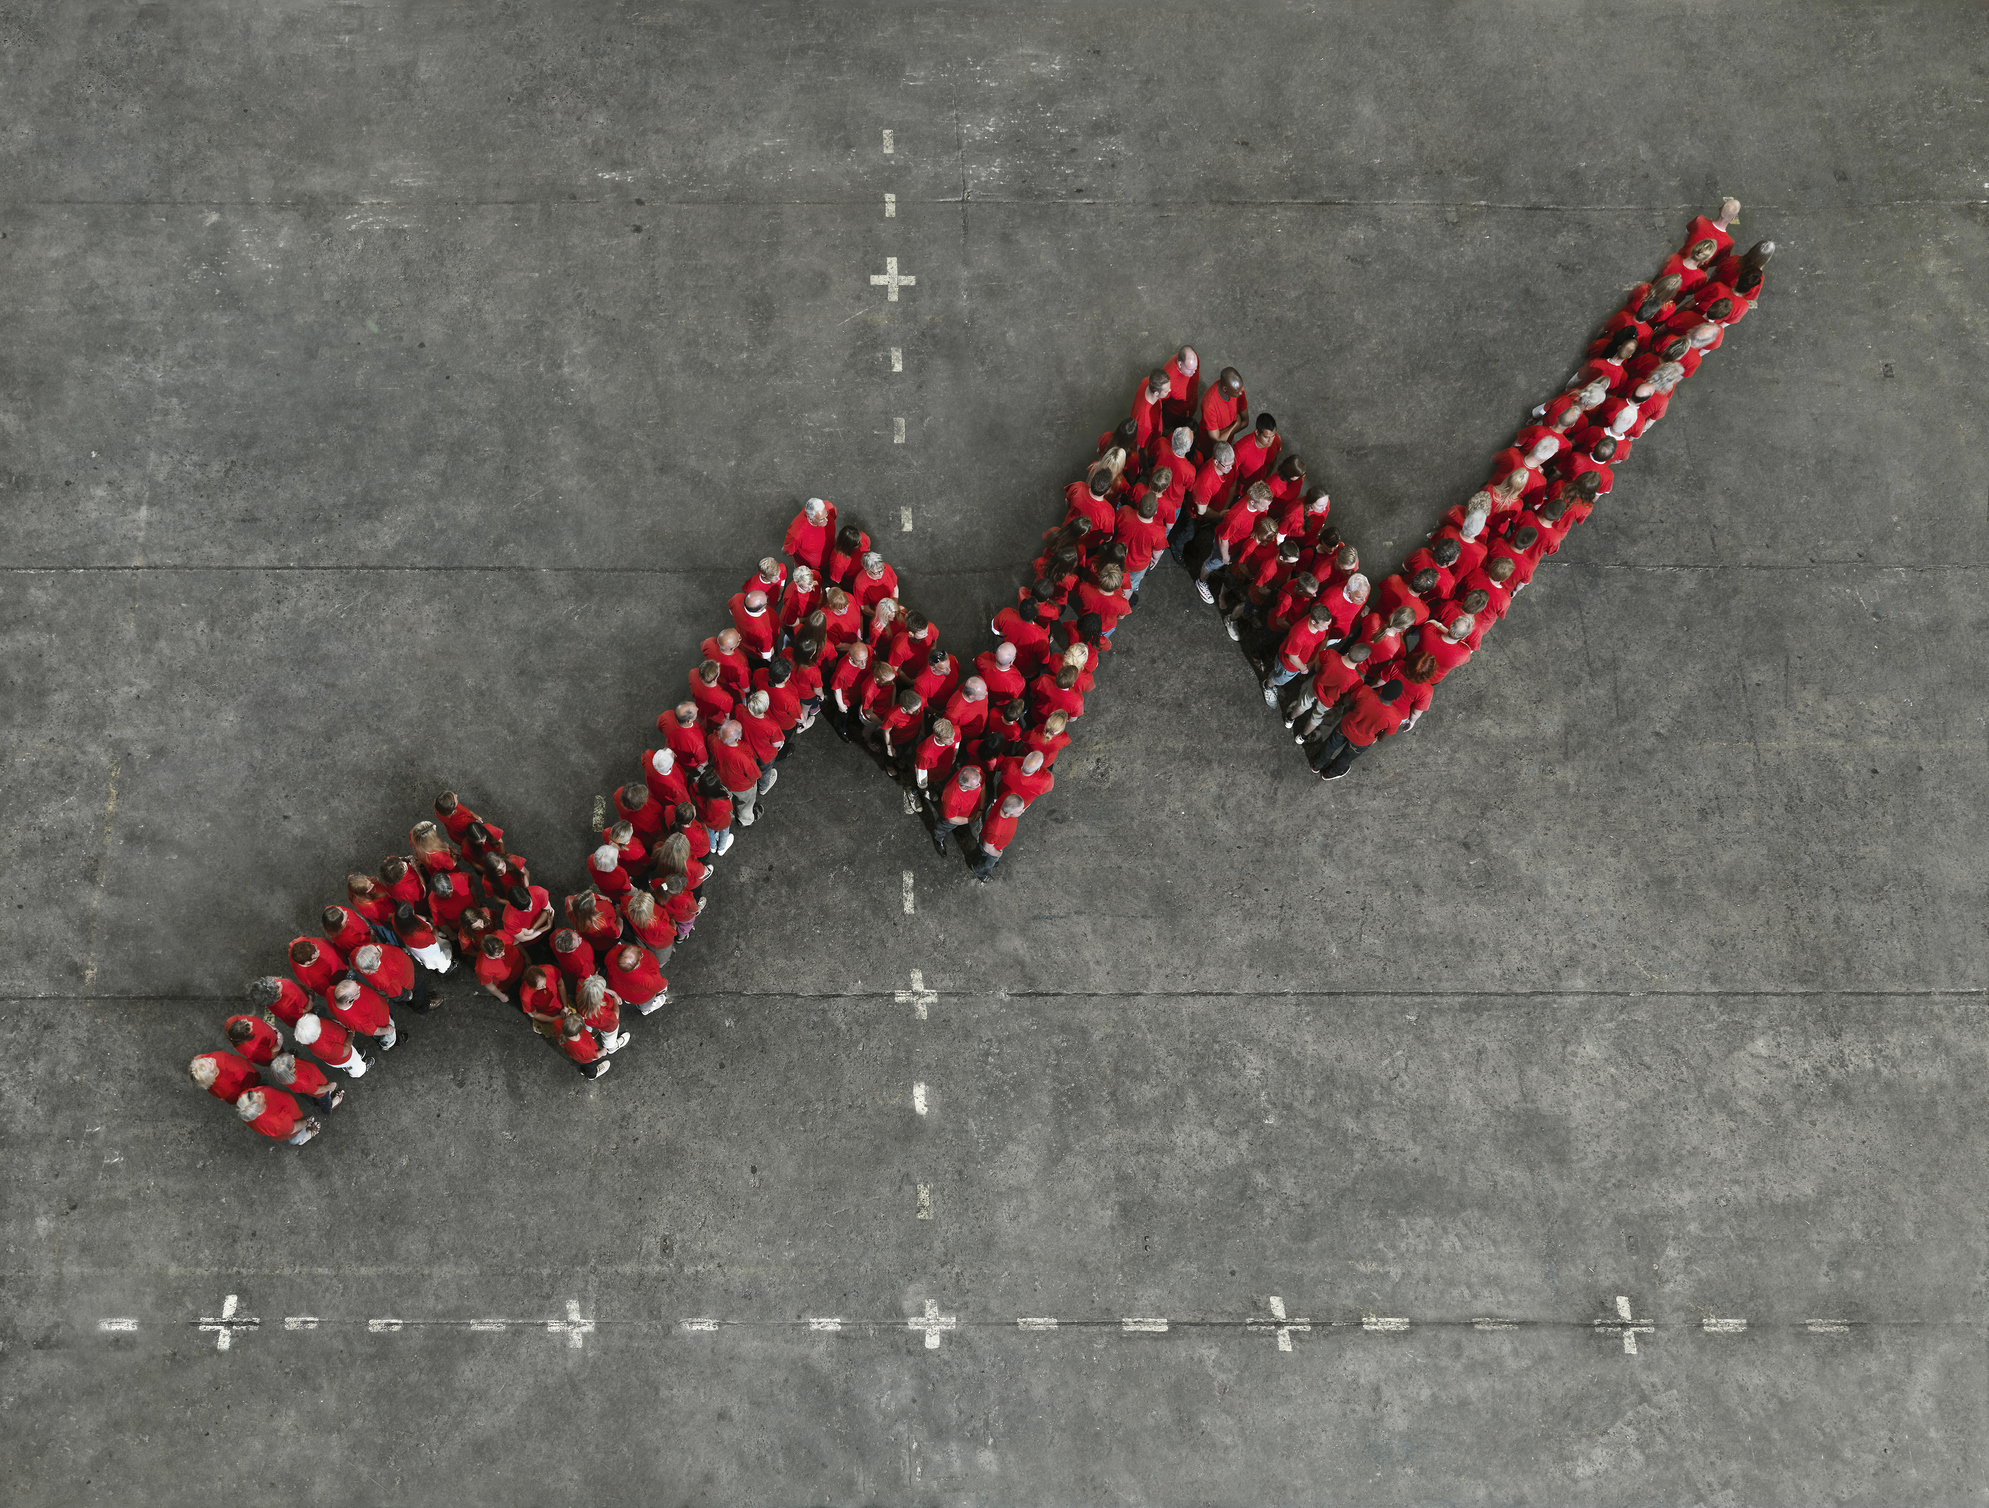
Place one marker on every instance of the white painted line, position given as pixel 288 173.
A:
pixel 1493 1324
pixel 890 206
pixel 910 907
pixel 383 1326
pixel 600 812
pixel 700 1324
pixel 889 145
pixel 897 358
pixel 1722 1326
pixel 1826 1327
pixel 1142 1325
pixel 300 1322
pixel 1280 1324
pixel 925 1201
pixel 575 1328
pixel 918 996
pixel 1041 1323
pixel 904 520
pixel 1628 1328
pixel 227 1323
pixel 891 280
pixel 827 1326
pixel 911 801
pixel 932 1322
pixel 1392 1324
pixel 897 431
pixel 918 1098
pixel 486 1325
pixel 118 1326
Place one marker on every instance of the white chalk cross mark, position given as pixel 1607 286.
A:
pixel 1623 1325
pixel 918 996
pixel 227 1322
pixel 1281 1324
pixel 891 280
pixel 933 1323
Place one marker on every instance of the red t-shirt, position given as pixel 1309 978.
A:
pixel 1302 641
pixel 1220 411
pixel 331 1042
pixel 756 631
pixel 733 672
pixel 1252 459
pixel 956 805
pixel 233 1075
pixel 281 1115
pixel 867 590
pixel 714 702
pixel 1335 677
pixel 736 768
pixel 1004 685
pixel 351 931
pixel 367 1013
pixel 1369 718
pixel 1208 486
pixel 1447 655
pixel 933 755
pixel 640 985
pixel 1079 503
pixel 1143 538
pixel 394 977
pixel 1702 228
pixel 1110 606
pixel 1045 697
pixel 264 1043
pixel 997 830
pixel 686 745
pixel 580 962
pixel 1009 774
pixel 317 976
pixel 763 736
pixel 967 717
pixel 809 543
pixel 291 1001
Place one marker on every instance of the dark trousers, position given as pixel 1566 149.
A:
pixel 1336 754
pixel 982 864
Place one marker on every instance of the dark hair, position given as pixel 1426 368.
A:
pixel 493 946
pixel 1445 551
pixel 1423 580
pixel 779 669
pixel 1066 678
pixel 1719 308
pixel 1616 342
pixel 307 947
pixel 332 919
pixel 848 537
pixel 1499 567
pixel 1475 601
pixel 1265 421
pixel 240 1031
pixel 635 795
pixel 1100 483
pixel 1524 537
pixel 1603 449
pixel 519 896
pixel 1388 690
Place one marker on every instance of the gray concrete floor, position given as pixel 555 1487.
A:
pixel 393 393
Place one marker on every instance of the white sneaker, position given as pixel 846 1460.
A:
pixel 650 1005
pixel 1205 592
pixel 615 1043
pixel 724 846
pixel 1229 627
pixel 768 780
pixel 1271 698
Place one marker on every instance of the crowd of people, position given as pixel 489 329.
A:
pixel 1347 660
pixel 820 633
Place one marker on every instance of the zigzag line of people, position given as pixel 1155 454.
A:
pixel 1189 472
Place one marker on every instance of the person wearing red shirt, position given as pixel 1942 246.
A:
pixel 875 698
pixel 804 596
pixel 1394 592
pixel 1689 264
pixel 1301 645
pixel 572 953
pixel 606 875
pixel 1029 633
pixel 1257 451
pixel 845 685
pixel 874 582
pixel 808 537
pixel 934 756
pixel 643 813
pixel 254 1038
pixel 1056 690
pixel 278 1000
pixel 453 815
pixel 680 907
pixel 651 926
pixel 996 668
pixel 1418 681
pixel 431 850
pixel 1208 495
pixel 1338 673
pixel 1184 386
pixel 224 1075
pixel 634 976
pixel 937 678
pixel 1703 229
pixel 403 882
pixel 723 649
pixel 1004 729
pixel 361 1010
pixel 345 928
pixel 755 624
pixel 1236 527
pixel 1103 600
pixel 770 580
pixel 423 943
pixel 1144 537
pixel 543 996
pixel 738 772
pixel 1288 492
pixel 391 972
pixel 993 832
pixel 1086 499
pixel 315 964
pixel 1344 602
pixel 910 639
pixel 601 1008
pixel 1147 418
pixel 1446 644
pixel 959 801
pixel 1594 462
pixel 709 693
pixel 1025 776
pixel 683 735
pixel 1225 407
pixel 369 898
pixel 276 1115
pixel 845 556
pixel 586 1048
pixel 1518 547
pixel 1048 738
pixel 1370 717
pixel 715 811
pixel 300 1076
pixel 763 738
pixel 332 1045
pixel 900 724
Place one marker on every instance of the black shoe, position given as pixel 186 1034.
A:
pixel 1134 600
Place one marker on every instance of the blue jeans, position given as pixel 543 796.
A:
pixel 1133 583
pixel 1280 675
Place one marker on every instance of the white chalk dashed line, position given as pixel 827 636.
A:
pixel 890 206
pixel 1722 1326
pixel 890 145
pixel 1039 1322
pixel 897 431
pixel 1493 1324
pixel 600 812
pixel 487 1326
pixel 904 520
pixel 300 1322
pixel 897 358
pixel 117 1325
pixel 1143 1324
pixel 383 1326
pixel 825 1326
pixel 701 1326
pixel 911 905
pixel 925 1201
pixel 918 1098
pixel 918 996
pixel 1389 1324
pixel 1826 1327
